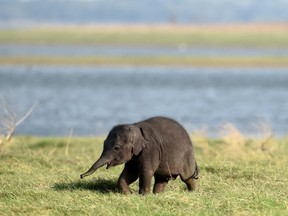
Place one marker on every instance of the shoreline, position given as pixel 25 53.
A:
pixel 265 35
pixel 144 26
pixel 147 61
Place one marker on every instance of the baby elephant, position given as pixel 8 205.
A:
pixel 158 147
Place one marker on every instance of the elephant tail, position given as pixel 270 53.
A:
pixel 195 174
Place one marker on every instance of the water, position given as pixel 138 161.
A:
pixel 90 100
pixel 179 50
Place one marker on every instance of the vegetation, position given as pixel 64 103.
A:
pixel 209 35
pixel 265 36
pixel 148 60
pixel 238 176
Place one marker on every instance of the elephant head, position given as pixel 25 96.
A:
pixel 122 143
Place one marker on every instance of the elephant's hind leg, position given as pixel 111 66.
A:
pixel 160 184
pixel 191 183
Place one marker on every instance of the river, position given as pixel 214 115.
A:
pixel 92 99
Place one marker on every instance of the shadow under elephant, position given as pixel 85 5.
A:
pixel 100 185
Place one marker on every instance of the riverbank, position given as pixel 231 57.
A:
pixel 179 37
pixel 148 61
pixel 166 35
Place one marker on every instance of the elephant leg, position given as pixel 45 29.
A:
pixel 145 182
pixel 160 184
pixel 126 178
pixel 191 183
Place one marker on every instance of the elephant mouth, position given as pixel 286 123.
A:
pixel 108 164
pixel 114 162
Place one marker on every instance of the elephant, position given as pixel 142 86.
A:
pixel 158 147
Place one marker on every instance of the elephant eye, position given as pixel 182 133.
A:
pixel 116 148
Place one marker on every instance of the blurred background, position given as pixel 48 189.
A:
pixel 157 11
pixel 88 65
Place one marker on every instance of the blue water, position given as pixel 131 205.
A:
pixel 179 50
pixel 90 100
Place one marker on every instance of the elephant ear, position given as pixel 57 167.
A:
pixel 144 134
pixel 139 144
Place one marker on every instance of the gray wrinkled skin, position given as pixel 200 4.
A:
pixel 158 147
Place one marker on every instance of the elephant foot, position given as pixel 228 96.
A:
pixel 123 187
pixel 126 192
pixel 191 184
pixel 144 191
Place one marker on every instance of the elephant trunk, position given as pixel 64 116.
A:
pixel 99 163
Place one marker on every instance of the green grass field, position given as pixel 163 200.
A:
pixel 238 176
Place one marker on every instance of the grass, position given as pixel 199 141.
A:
pixel 238 176
pixel 142 61
pixel 169 35
pixel 257 35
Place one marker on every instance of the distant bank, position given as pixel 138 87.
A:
pixel 160 34
pixel 262 36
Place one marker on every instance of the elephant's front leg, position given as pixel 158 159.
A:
pixel 127 177
pixel 145 182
